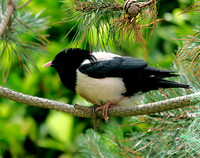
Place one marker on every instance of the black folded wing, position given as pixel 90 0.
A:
pixel 116 67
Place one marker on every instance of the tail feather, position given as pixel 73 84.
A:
pixel 155 83
pixel 151 79
pixel 160 73
pixel 171 84
pixel 157 80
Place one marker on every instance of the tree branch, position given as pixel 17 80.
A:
pixel 23 5
pixel 114 111
pixel 5 20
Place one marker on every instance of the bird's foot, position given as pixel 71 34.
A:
pixel 105 110
pixel 107 106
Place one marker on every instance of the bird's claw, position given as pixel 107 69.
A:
pixel 105 110
pixel 107 106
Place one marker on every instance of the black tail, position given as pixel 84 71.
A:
pixel 155 83
pixel 170 84
pixel 159 72
pixel 151 79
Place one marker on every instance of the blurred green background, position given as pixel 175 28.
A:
pixel 27 131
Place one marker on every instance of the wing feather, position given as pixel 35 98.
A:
pixel 115 67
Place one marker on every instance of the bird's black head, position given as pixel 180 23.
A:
pixel 66 62
pixel 72 58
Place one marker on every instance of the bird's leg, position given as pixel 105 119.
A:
pixel 106 107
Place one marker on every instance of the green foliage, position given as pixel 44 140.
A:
pixel 93 145
pixel 192 139
pixel 21 40
pixel 32 132
pixel 95 17
pixel 108 22
pixel 159 135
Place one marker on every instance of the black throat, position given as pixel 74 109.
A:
pixel 68 77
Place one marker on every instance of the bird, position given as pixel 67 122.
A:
pixel 106 79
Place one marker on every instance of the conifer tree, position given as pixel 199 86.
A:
pixel 154 128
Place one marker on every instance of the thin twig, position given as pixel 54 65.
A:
pixel 6 18
pixel 23 5
pixel 114 111
pixel 146 4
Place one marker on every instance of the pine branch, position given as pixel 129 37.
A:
pixel 23 5
pixel 9 11
pixel 115 22
pixel 189 54
pixel 194 7
pixel 114 111
pixel 22 37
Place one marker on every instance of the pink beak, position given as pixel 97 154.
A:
pixel 47 64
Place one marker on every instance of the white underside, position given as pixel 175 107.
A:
pixel 101 91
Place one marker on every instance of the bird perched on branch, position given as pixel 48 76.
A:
pixel 107 79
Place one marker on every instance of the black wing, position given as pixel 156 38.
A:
pixel 116 67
